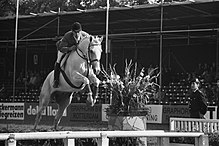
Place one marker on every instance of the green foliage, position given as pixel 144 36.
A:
pixel 213 139
pixel 131 92
pixel 7 8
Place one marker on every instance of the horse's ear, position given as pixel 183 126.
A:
pixel 101 39
pixel 91 38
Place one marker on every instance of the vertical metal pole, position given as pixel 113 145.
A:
pixel 107 32
pixel 217 54
pixel 103 141
pixel 161 46
pixel 69 142
pixel 58 25
pixel 202 140
pixel 15 49
pixel 26 68
pixel 136 51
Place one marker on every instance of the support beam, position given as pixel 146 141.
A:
pixel 69 142
pixel 11 141
pixel 104 140
pixel 202 141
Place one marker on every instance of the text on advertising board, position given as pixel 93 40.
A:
pixel 48 111
pixel 82 112
pixel 174 111
pixel 155 114
pixel 12 111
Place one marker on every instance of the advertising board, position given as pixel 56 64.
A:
pixel 12 111
pixel 178 111
pixel 83 113
pixel 25 113
pixel 155 114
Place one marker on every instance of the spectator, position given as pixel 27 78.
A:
pixel 32 81
pixel 2 91
pixel 209 93
pixel 197 105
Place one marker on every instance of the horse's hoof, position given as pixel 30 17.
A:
pixel 95 99
pixel 90 100
pixel 34 130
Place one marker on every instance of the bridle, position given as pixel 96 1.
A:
pixel 85 57
pixel 88 57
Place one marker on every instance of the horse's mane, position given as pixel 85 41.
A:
pixel 84 39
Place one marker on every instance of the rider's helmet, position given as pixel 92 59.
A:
pixel 76 27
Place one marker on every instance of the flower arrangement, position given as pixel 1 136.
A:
pixel 132 92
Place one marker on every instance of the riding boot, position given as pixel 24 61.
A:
pixel 56 75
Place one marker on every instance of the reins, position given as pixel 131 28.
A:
pixel 87 58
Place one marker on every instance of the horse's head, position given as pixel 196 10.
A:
pixel 92 48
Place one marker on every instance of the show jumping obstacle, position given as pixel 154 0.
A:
pixel 103 136
pixel 194 125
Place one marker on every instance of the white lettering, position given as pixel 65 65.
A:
pixel 49 111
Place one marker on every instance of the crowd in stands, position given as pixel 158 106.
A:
pixel 206 74
pixel 175 86
pixel 32 79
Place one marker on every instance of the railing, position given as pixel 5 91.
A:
pixel 103 136
pixel 194 125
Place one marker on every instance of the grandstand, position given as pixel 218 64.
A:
pixel 178 37
pixel 176 92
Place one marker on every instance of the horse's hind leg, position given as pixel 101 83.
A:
pixel 63 100
pixel 43 102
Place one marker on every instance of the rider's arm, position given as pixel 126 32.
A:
pixel 63 46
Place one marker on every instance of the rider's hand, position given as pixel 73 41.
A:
pixel 73 47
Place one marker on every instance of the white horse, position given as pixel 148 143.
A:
pixel 78 71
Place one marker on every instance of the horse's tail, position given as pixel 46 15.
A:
pixel 46 87
pixel 44 98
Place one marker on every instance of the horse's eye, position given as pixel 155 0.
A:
pixel 91 51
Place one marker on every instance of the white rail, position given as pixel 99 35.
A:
pixel 194 125
pixel 103 136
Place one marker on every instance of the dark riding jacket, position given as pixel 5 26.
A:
pixel 198 105
pixel 64 45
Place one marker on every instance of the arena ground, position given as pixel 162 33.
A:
pixel 76 127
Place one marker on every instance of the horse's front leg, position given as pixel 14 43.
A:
pixel 80 78
pixel 95 91
pixel 95 82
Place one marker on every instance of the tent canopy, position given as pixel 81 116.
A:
pixel 198 20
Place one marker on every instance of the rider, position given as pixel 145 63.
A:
pixel 68 43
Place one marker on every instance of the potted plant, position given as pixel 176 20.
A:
pixel 130 94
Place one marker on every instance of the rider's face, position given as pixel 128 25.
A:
pixel 194 86
pixel 76 31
